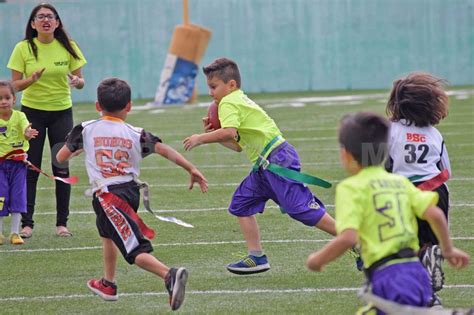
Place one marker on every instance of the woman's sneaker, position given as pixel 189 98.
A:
pixel 250 264
pixel 175 282
pixel 107 292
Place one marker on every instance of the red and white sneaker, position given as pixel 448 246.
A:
pixel 107 292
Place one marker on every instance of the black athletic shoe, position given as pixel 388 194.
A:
pixel 175 282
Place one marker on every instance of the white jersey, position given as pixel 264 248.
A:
pixel 112 148
pixel 417 151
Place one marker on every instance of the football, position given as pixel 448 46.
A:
pixel 213 116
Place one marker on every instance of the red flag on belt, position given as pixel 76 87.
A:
pixel 108 200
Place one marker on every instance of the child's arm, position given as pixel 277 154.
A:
pixel 174 156
pixel 332 250
pixel 65 154
pixel 223 135
pixel 456 257
pixel 231 144
pixel 444 163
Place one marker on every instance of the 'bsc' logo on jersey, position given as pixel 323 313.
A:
pixel 416 137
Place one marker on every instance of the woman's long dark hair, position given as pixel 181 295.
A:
pixel 59 33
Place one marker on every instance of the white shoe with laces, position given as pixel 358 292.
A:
pixel 433 262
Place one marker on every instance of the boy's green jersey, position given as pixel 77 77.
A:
pixel 12 133
pixel 253 124
pixel 382 208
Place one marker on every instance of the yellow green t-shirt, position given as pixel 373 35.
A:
pixel 51 92
pixel 12 133
pixel 382 208
pixel 253 124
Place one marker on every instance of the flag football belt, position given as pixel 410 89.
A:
pixel 403 253
pixel 15 155
pixel 20 155
pixel 102 183
pixel 432 183
pixel 111 202
pixel 286 172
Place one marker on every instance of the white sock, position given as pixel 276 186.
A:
pixel 15 223
pixel 256 253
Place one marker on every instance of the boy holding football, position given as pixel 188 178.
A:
pixel 247 127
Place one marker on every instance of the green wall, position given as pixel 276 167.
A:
pixel 280 45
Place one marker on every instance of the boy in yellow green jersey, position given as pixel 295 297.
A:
pixel 247 127
pixel 378 210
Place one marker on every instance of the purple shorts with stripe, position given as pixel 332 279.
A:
pixel 12 187
pixel 294 197
pixel 405 283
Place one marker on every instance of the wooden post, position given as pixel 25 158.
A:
pixel 188 44
pixel 185 12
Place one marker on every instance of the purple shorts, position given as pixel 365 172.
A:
pixel 12 187
pixel 404 283
pixel 294 197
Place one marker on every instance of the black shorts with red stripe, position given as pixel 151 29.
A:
pixel 113 223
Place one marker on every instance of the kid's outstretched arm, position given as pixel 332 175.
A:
pixel 223 135
pixel 174 156
pixel 456 257
pixel 231 144
pixel 332 250
pixel 64 154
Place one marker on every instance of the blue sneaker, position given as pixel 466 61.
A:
pixel 249 264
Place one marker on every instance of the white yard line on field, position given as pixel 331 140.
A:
pixel 227 184
pixel 246 166
pixel 341 100
pixel 205 292
pixel 213 243
pixel 89 211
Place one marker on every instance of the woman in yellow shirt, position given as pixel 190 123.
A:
pixel 42 64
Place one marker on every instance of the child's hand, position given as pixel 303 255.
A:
pixel 457 258
pixel 191 142
pixel 315 262
pixel 30 133
pixel 197 177
pixel 207 124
